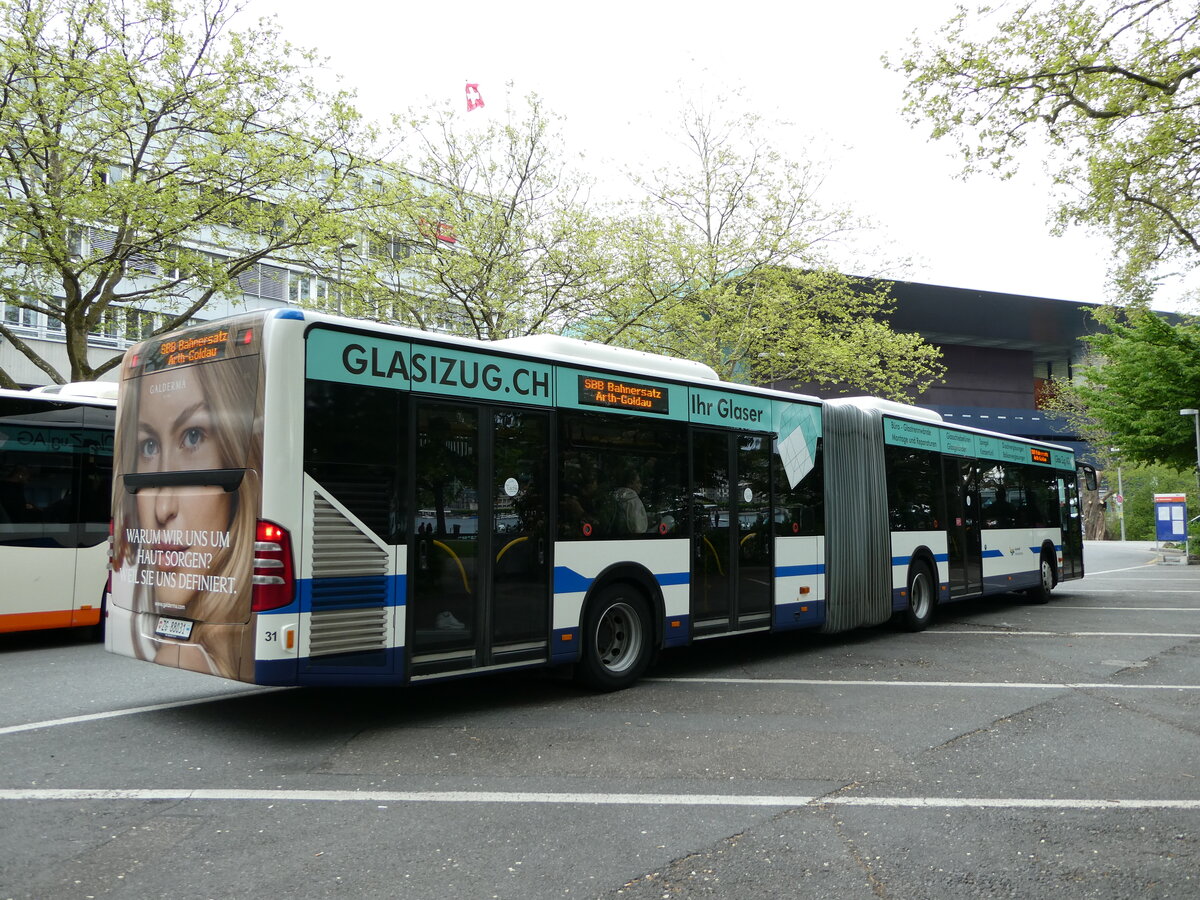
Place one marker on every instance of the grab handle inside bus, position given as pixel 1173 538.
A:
pixel 228 480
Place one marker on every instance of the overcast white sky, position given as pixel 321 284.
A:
pixel 612 68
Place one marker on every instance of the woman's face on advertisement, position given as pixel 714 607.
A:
pixel 175 431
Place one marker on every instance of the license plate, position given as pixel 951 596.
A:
pixel 176 628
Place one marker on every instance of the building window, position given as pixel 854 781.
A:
pixel 303 289
pixel 19 316
pixel 139 324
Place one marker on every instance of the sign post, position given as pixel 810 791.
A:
pixel 1170 519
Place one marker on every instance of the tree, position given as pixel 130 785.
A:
pixel 1109 85
pixel 152 157
pixel 728 263
pixel 1143 371
pixel 793 326
pixel 1140 484
pixel 493 238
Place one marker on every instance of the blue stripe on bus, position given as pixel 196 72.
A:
pixel 791 571
pixel 303 671
pixel 568 581
pixel 1014 581
pixel 365 592
pixel 564 645
pixel 905 560
pixel 798 615
pixel 677 631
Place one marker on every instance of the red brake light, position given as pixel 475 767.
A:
pixel 274 578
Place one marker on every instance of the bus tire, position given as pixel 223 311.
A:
pixel 1041 593
pixel 922 597
pixel 617 639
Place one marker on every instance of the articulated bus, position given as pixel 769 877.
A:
pixel 305 500
pixel 56 456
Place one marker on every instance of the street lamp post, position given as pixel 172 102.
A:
pixel 1120 494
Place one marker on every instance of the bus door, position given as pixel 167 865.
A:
pixel 964 541
pixel 1072 526
pixel 94 462
pixel 479 566
pixel 731 532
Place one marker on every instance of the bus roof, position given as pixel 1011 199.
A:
pixel 553 347
pixel 107 399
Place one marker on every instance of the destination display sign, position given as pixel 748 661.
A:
pixel 619 393
pixel 196 348
pixel 903 433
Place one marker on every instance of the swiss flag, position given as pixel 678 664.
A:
pixel 474 98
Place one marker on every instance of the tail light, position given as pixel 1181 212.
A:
pixel 274 578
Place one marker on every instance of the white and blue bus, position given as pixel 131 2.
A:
pixel 301 499
pixel 56 456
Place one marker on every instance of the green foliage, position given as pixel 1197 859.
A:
pixel 139 134
pixel 1144 371
pixel 785 325
pixel 1109 87
pixel 153 156
pixel 1140 484
pixel 726 263
pixel 703 269
pixel 499 238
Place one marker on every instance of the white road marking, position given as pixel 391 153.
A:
pixel 1125 569
pixel 136 710
pixel 131 711
pixel 1135 609
pixel 1006 803
pixel 76 795
pixel 1010 685
pixel 1020 633
pixel 1105 591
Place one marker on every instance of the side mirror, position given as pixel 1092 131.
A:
pixel 1089 476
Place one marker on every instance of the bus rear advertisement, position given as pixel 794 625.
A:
pixel 301 499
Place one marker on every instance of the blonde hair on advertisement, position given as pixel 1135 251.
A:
pixel 230 392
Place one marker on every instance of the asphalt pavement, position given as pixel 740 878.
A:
pixel 1012 750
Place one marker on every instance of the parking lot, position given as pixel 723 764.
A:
pixel 1012 750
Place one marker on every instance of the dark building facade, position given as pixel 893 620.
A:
pixel 1000 352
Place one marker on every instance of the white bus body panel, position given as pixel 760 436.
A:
pixel 578 564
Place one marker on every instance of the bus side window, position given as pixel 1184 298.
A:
pixel 800 510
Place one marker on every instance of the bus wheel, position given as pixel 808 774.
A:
pixel 921 598
pixel 1041 593
pixel 616 639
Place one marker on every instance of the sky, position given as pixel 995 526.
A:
pixel 614 71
